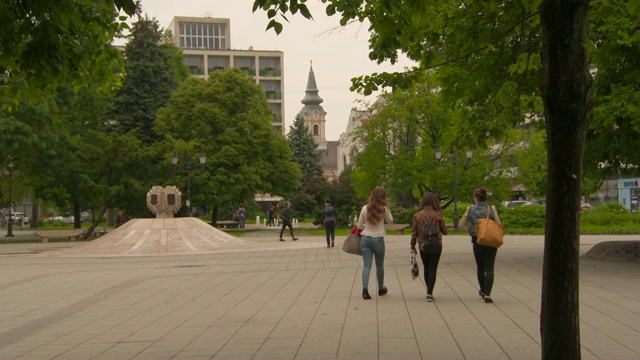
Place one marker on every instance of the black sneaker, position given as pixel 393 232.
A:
pixel 487 299
pixel 482 295
pixel 430 298
pixel 383 291
pixel 295 238
pixel 281 239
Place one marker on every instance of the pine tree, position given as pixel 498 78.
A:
pixel 304 149
pixel 152 74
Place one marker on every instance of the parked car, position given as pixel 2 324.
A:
pixel 586 206
pixel 19 219
pixel 512 204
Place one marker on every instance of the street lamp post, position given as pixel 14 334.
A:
pixel 187 167
pixel 9 224
pixel 469 154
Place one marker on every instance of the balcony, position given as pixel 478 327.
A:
pixel 217 68
pixel 249 71
pixel 276 119
pixel 273 95
pixel 196 71
pixel 271 72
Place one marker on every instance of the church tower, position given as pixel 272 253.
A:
pixel 313 113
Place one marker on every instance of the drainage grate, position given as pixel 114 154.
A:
pixel 187 266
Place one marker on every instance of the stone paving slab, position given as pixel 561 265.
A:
pixel 298 301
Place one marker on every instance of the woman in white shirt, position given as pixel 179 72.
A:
pixel 371 222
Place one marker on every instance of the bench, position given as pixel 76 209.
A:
pixel 228 224
pixel 402 229
pixel 71 234
pixel 399 228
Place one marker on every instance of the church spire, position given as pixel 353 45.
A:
pixel 312 97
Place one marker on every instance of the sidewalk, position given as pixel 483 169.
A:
pixel 299 303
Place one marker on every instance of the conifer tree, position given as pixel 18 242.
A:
pixel 304 149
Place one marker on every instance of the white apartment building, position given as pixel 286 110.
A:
pixel 206 45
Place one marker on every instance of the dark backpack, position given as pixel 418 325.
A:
pixel 431 237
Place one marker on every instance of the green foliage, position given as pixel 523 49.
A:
pixel 523 219
pixel 62 43
pixel 615 47
pixel 228 118
pixel 610 207
pixel 304 149
pixel 153 72
pixel 531 161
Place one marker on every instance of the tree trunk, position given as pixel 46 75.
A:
pixel 76 215
pixel 96 221
pixel 568 108
pixel 214 216
pixel 35 215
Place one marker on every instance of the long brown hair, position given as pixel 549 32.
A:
pixel 376 206
pixel 431 199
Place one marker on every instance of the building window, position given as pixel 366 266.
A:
pixel 195 64
pixel 218 63
pixel 277 113
pixel 202 36
pixel 270 66
pixel 245 64
pixel 272 89
pixel 315 130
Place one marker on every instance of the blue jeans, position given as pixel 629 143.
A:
pixel 371 246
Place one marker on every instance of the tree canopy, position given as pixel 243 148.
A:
pixel 152 74
pixel 304 149
pixel 48 44
pixel 227 117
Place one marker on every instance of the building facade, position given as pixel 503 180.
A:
pixel 206 45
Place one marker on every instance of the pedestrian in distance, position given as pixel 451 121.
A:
pixel 121 218
pixel 271 215
pixel 428 228
pixel 330 221
pixel 242 216
pixel 371 221
pixel 485 255
pixel 285 215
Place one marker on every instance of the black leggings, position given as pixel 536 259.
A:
pixel 285 224
pixel 330 229
pixel 485 261
pixel 430 263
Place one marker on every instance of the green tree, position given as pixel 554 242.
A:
pixel 531 162
pixel 228 118
pixel 67 42
pixel 304 149
pixel 490 49
pixel 152 74
pixel 615 47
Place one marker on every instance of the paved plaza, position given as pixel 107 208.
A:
pixel 297 300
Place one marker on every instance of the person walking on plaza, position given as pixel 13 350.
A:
pixel 242 216
pixel 286 220
pixel 371 222
pixel 429 225
pixel 330 220
pixel 485 255
pixel 270 215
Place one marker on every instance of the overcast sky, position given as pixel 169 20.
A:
pixel 337 56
